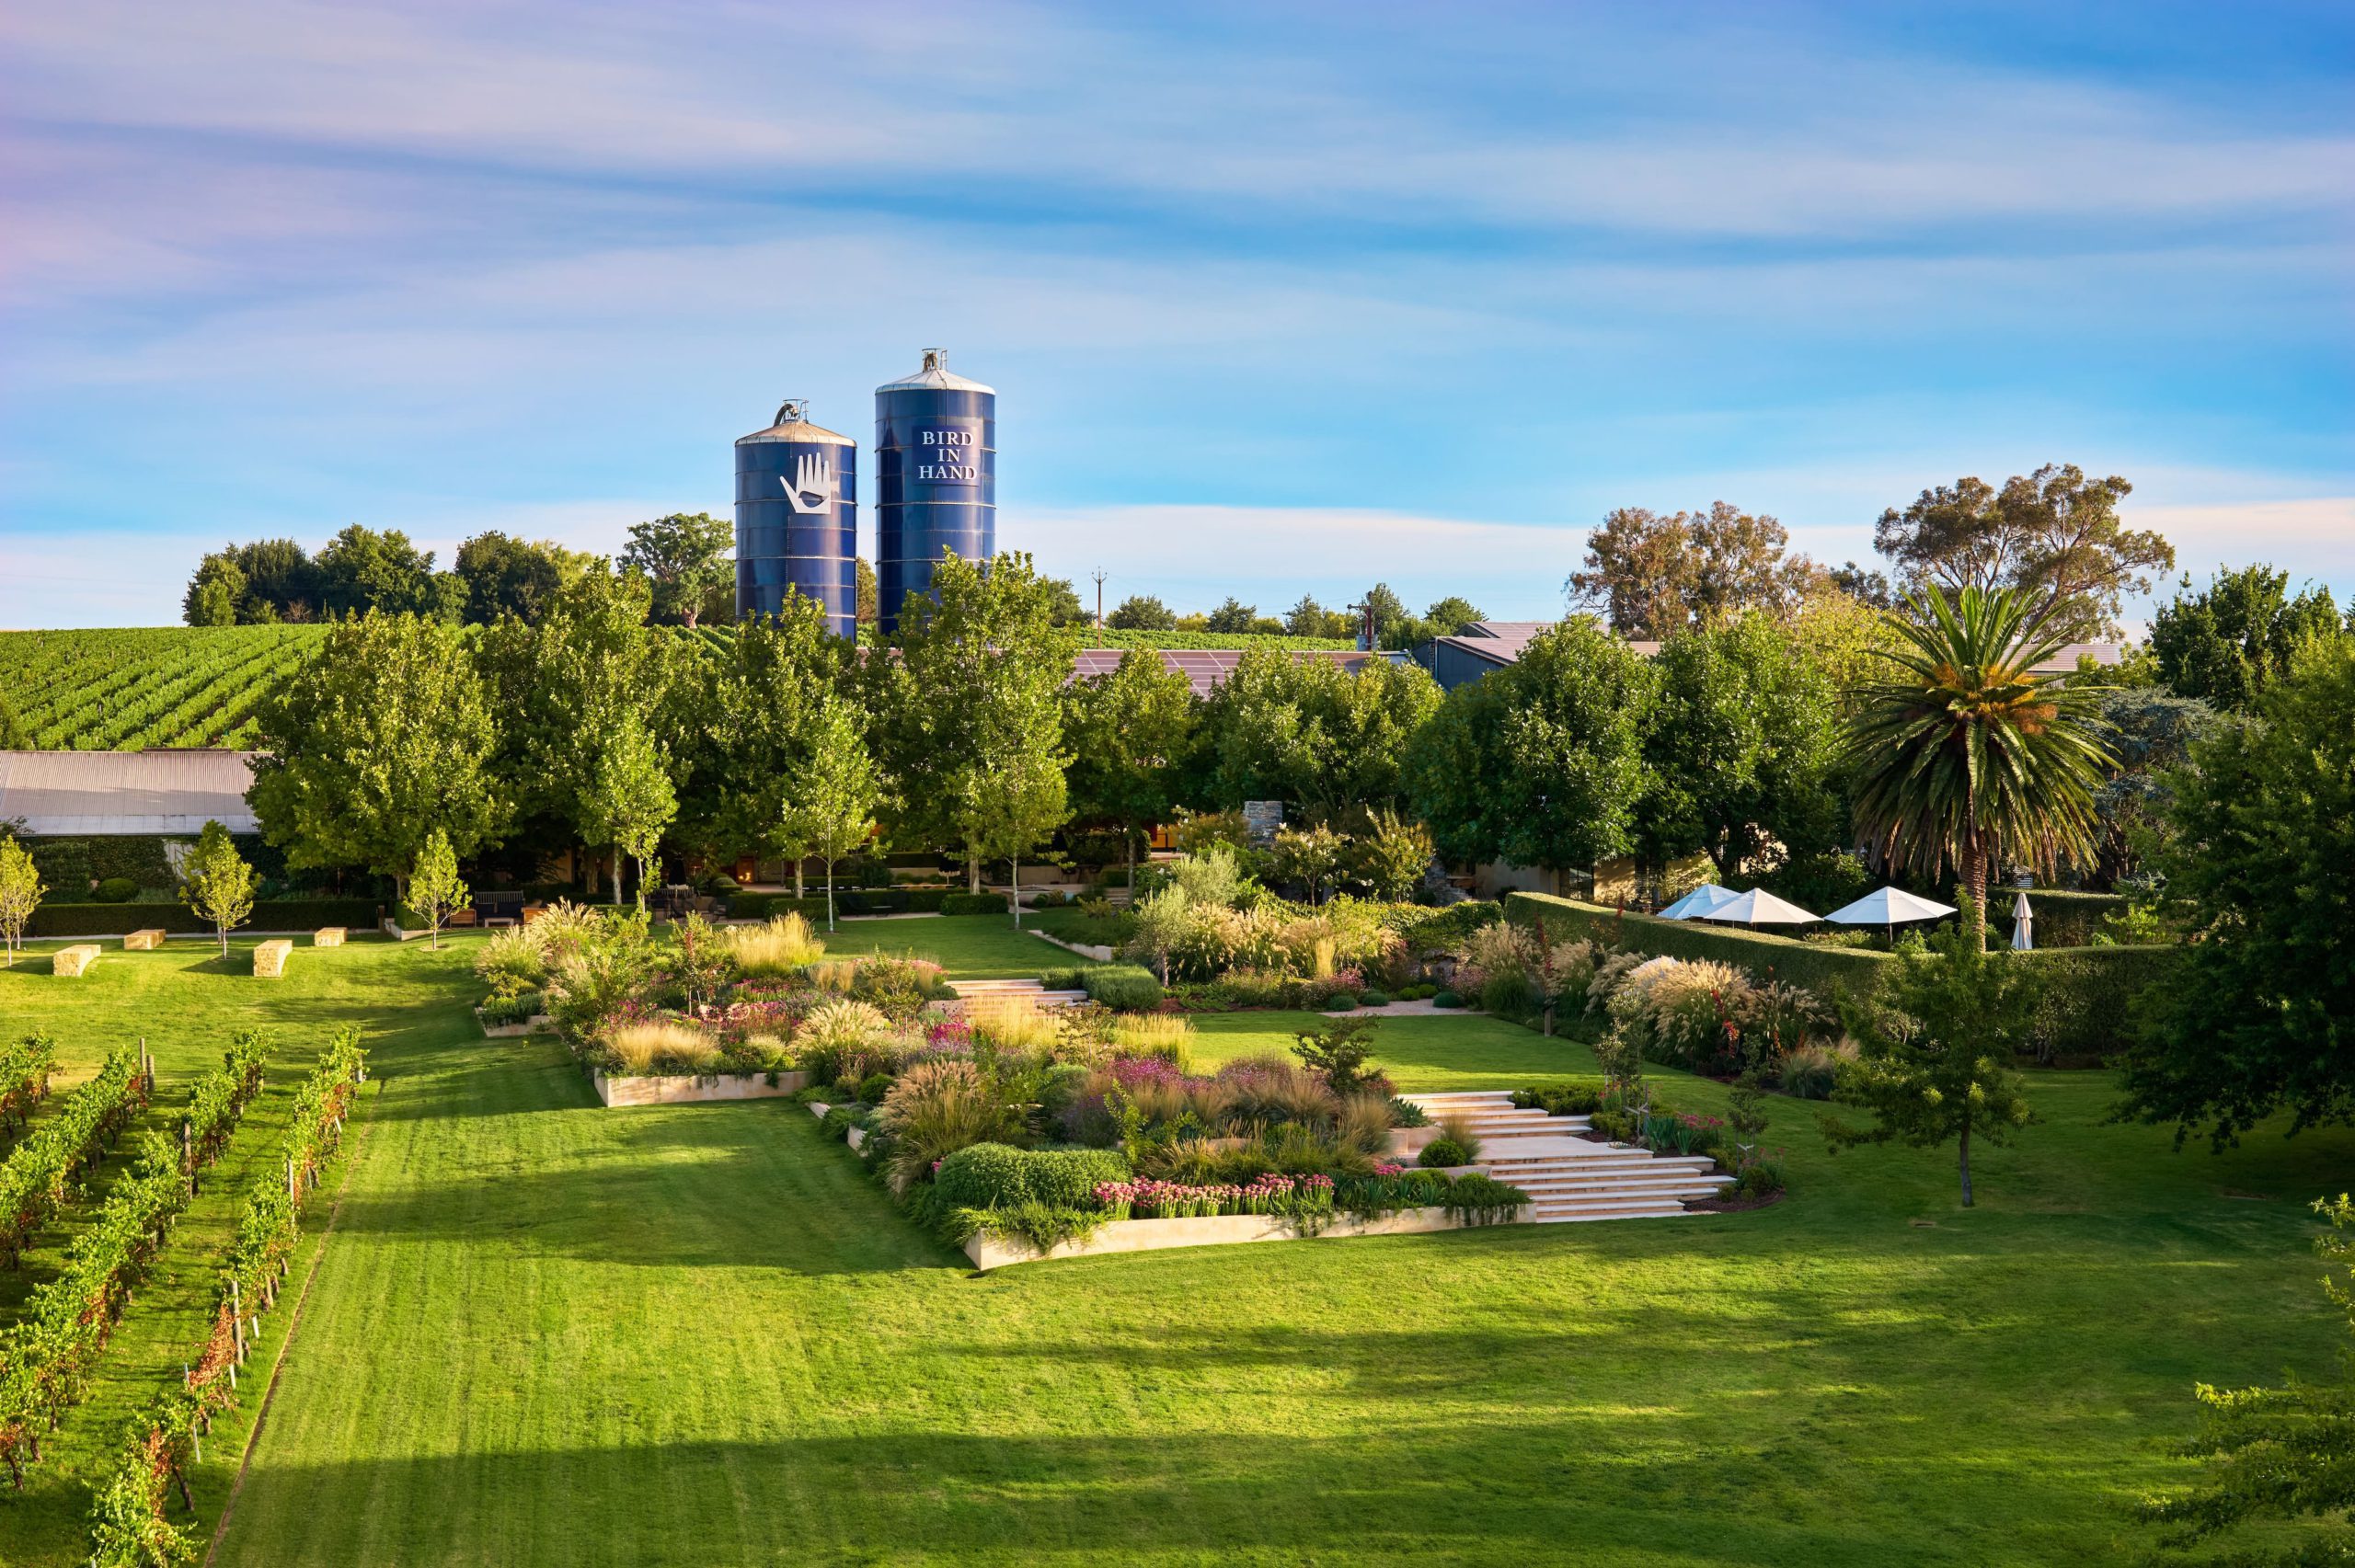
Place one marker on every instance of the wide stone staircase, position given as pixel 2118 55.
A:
pixel 1568 1177
pixel 977 994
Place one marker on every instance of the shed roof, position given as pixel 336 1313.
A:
pixel 100 794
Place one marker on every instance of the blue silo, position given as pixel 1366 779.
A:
pixel 797 517
pixel 936 469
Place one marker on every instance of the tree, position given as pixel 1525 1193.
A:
pixel 382 736
pixel 869 593
pixel 757 730
pixel 627 800
pixel 1741 748
pixel 1141 612
pixel 1863 584
pixel 2053 535
pixel 1539 764
pixel 2276 1454
pixel 362 570
pixel 505 576
pixel 685 556
pixel 20 893
pixel 1310 855
pixel 435 888
pixel 968 718
pixel 1935 1051
pixel 2151 734
pixel 1308 731
pixel 1651 574
pixel 1388 610
pixel 1064 606
pixel 214 593
pixel 831 805
pixel 1128 733
pixel 1960 752
pixel 2257 1014
pixel 1310 619
pixel 1233 616
pixel 217 883
pixel 2225 642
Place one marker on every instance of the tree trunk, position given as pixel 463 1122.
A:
pixel 972 867
pixel 1129 843
pixel 798 889
pixel 1974 881
pixel 1966 1165
pixel 830 893
pixel 1013 894
pixel 617 875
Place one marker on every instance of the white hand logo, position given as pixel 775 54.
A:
pixel 813 487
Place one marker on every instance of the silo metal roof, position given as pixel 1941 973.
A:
pixel 935 377
pixel 792 426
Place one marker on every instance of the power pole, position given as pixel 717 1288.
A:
pixel 1098 573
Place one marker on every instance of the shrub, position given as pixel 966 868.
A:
pixel 972 904
pixel 981 1176
pixel 840 1037
pixel 1759 1178
pixel 498 1012
pixel 1457 1129
pixel 1342 1054
pixel 873 1087
pixel 1507 993
pixel 898 986
pixel 115 890
pixel 1442 1152
pixel 1164 1036
pixel 1373 998
pixel 784 945
pixel 1560 1099
pixel 1810 1073
pixel 1405 1113
pixel 1446 998
pixel 1124 987
pixel 1483 1200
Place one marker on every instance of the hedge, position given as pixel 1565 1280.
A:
pixel 768 906
pixel 994 1175
pixel 276 914
pixel 1854 970
pixel 1124 987
pixel 891 900
pixel 2083 1015
pixel 2059 918
pixel 972 904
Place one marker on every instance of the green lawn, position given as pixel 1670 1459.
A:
pixel 973 946
pixel 544 1332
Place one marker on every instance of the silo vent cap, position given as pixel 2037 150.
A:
pixel 936 376
pixel 793 411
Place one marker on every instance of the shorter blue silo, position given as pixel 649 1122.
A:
pixel 796 518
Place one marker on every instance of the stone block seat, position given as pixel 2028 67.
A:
pixel 329 936
pixel 269 957
pixel 146 941
pixel 74 961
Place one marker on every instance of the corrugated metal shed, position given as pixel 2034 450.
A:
pixel 1206 667
pixel 1491 645
pixel 98 793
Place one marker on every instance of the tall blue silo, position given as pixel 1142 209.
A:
pixel 797 517
pixel 936 469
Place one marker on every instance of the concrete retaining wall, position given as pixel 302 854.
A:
pixel 681 1089
pixel 1153 1235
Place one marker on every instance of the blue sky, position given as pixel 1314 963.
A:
pixel 1276 299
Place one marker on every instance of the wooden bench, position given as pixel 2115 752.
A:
pixel 269 957
pixel 75 960
pixel 458 918
pixel 328 936
pixel 144 941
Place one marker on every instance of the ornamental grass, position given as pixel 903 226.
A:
pixel 784 945
pixel 661 1046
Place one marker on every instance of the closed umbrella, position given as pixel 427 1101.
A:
pixel 1700 901
pixel 1758 906
pixel 2023 924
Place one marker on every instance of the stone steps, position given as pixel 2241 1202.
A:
pixel 1569 1179
pixel 983 993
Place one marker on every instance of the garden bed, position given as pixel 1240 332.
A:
pixel 651 1090
pixel 531 1025
pixel 1153 1235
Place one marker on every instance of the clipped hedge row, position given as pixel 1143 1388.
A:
pixel 2084 1011
pixel 997 1175
pixel 973 904
pixel 1854 970
pixel 274 914
pixel 767 906
pixel 2061 918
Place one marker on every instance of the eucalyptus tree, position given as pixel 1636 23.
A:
pixel 1960 752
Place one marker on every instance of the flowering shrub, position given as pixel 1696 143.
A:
pixel 1268 1193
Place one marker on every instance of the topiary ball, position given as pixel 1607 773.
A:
pixel 1446 998
pixel 1373 998
pixel 1444 1152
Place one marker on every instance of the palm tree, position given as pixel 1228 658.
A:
pixel 1961 752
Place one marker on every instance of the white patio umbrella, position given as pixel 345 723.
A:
pixel 1758 906
pixel 2023 924
pixel 1890 906
pixel 1700 901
